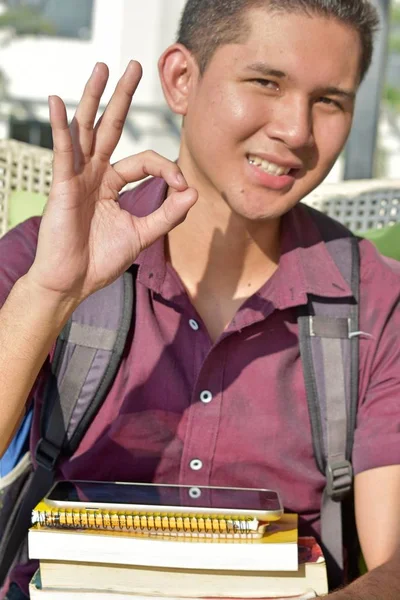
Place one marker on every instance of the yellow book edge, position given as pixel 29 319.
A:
pixel 47 515
pixel 195 527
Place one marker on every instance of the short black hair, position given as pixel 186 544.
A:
pixel 208 24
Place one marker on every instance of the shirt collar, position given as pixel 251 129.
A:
pixel 142 201
pixel 305 267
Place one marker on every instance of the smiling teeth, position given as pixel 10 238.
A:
pixel 267 166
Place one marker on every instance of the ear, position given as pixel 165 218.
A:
pixel 178 73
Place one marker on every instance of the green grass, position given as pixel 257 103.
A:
pixel 394 43
pixel 26 21
pixel 395 14
pixel 392 96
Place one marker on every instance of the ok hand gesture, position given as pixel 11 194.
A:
pixel 86 240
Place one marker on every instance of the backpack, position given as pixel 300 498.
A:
pixel 86 358
pixel 96 336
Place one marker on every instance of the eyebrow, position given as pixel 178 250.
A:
pixel 264 69
pixel 267 71
pixel 333 91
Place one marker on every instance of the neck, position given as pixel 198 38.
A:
pixel 217 240
pixel 222 259
pixel 214 243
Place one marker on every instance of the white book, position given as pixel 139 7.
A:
pixel 191 583
pixel 277 550
pixel 36 592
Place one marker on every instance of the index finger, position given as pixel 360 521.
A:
pixel 109 129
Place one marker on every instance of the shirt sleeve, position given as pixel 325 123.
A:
pixel 17 253
pixel 377 435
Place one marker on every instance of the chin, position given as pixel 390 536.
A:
pixel 262 210
pixel 260 215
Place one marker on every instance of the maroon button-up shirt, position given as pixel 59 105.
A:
pixel 185 410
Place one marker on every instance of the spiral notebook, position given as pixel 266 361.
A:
pixel 159 509
pixel 147 523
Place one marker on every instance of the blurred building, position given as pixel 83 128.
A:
pixel 59 62
pixel 114 31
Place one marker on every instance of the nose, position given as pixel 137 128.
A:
pixel 290 122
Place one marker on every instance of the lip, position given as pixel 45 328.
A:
pixel 286 164
pixel 268 181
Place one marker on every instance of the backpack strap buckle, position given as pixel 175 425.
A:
pixel 46 454
pixel 339 476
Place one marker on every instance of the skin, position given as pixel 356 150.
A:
pixel 229 243
pixel 86 240
pixel 233 110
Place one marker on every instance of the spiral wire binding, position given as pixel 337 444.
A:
pixel 149 524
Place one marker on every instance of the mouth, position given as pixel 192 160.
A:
pixel 271 168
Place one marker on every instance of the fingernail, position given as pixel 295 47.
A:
pixel 180 180
pixel 96 68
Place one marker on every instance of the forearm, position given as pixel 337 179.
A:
pixel 30 322
pixel 383 583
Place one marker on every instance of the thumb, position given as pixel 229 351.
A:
pixel 170 214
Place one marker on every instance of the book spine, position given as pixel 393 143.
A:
pixel 146 524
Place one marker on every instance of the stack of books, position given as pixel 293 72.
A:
pixel 108 556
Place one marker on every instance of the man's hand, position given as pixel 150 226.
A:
pixel 86 240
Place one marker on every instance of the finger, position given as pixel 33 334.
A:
pixel 83 122
pixel 63 161
pixel 109 129
pixel 148 163
pixel 170 214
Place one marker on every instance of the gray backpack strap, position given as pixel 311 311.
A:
pixel 328 337
pixel 86 359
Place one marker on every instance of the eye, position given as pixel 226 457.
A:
pixel 330 102
pixel 266 83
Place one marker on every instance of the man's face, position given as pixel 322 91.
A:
pixel 267 120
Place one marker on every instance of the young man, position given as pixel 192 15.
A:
pixel 211 388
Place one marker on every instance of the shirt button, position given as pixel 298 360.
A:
pixel 194 325
pixel 196 464
pixel 195 493
pixel 206 396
